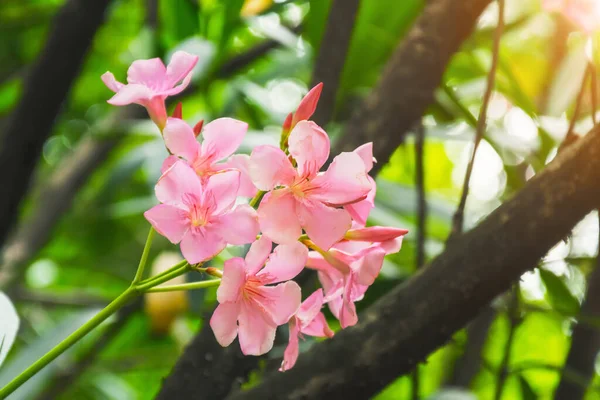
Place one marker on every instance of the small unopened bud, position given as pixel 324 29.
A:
pixel 178 111
pixel 214 272
pixel 285 131
pixel 287 124
pixel 198 127
pixel 375 234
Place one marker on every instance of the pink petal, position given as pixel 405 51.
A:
pixel 347 313
pixel 375 234
pixel 150 73
pixel 310 308
pixel 222 189
pixel 366 153
pixel 308 104
pixel 169 221
pixel 280 302
pixel 323 225
pixel 360 210
pixel 239 226
pixel 180 139
pixel 277 217
pixel 168 163
pixel 241 162
pixel 256 331
pixel 131 93
pixel 309 145
pixel 222 137
pixel 344 182
pixel 180 66
pixel 176 182
pixel 285 263
pixel 270 167
pixel 290 355
pixel 368 266
pixel 234 278
pixel 257 255
pixel 201 245
pixel 224 323
pixel 318 327
pixel 391 246
pixel 109 80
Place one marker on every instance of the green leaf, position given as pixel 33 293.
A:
pixel 526 390
pixel 559 295
pixel 178 21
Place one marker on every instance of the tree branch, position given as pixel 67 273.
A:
pixel 585 344
pixel 408 82
pixel 46 88
pixel 413 320
pixel 332 56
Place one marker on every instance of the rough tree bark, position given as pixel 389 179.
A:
pixel 46 88
pixel 331 59
pixel 585 343
pixel 411 321
pixel 410 77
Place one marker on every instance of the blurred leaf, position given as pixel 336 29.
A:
pixel 314 27
pixel 178 21
pixel 376 33
pixel 9 326
pixel 559 295
pixel 231 20
pixel 526 390
pixel 36 349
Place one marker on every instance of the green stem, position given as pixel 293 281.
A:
pixel 163 278
pixel 256 199
pixel 168 271
pixel 144 259
pixel 73 338
pixel 185 286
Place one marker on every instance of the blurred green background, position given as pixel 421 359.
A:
pixel 93 250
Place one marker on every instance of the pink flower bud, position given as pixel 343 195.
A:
pixel 375 234
pixel 308 105
pixel 178 111
pixel 198 127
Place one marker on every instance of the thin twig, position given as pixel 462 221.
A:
pixel 593 88
pixel 514 321
pixel 457 220
pixel 421 224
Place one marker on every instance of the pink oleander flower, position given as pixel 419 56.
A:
pixel 221 138
pixel 309 320
pixel 360 210
pixel 583 13
pixel 149 83
pixel 250 309
pixel 302 197
pixel 202 218
pixel 348 269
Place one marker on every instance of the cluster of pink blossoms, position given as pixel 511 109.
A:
pixel 316 219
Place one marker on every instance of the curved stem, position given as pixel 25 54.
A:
pixel 168 271
pixel 163 278
pixel 144 259
pixel 73 338
pixel 457 220
pixel 185 286
pixel 256 199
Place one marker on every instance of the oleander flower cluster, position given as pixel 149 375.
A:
pixel 299 216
